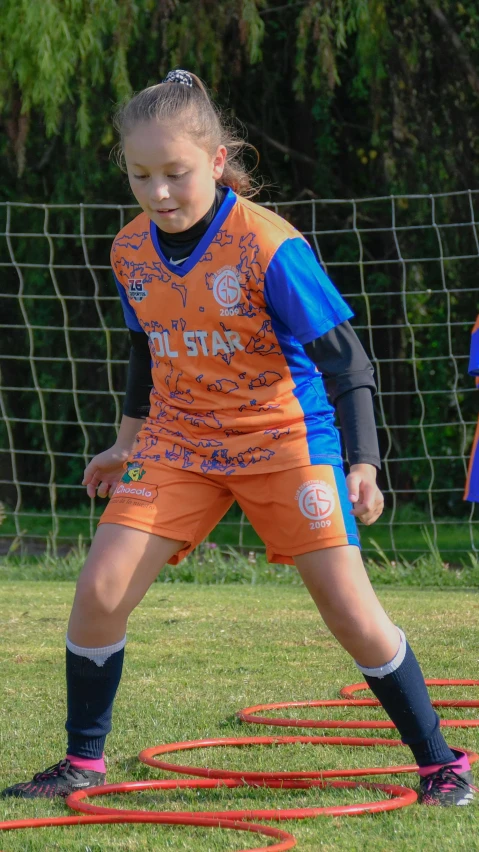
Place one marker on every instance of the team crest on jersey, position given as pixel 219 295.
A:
pixel 226 287
pixel 134 472
pixel 136 290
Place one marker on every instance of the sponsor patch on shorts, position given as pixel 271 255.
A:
pixel 137 491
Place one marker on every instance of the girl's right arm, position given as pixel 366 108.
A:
pixel 103 473
pixel 105 470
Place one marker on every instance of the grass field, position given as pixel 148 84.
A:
pixel 195 655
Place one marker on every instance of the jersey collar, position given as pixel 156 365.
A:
pixel 207 238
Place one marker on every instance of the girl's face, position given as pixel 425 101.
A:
pixel 171 177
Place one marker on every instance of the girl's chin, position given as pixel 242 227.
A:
pixel 170 222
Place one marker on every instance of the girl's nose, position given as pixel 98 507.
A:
pixel 159 191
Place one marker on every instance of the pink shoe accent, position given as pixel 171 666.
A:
pixel 94 764
pixel 460 765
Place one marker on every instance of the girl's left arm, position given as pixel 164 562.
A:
pixel 304 303
pixel 349 380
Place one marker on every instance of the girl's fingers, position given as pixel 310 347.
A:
pixel 103 489
pixel 372 516
pixel 370 506
pixel 353 483
pixel 91 484
pixel 99 487
pixel 89 474
pixel 96 485
pixel 369 519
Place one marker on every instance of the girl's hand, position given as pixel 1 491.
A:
pixel 364 493
pixel 104 472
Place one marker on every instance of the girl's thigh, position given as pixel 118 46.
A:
pixel 122 564
pixel 125 561
pixel 340 587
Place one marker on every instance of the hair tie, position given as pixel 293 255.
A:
pixel 183 77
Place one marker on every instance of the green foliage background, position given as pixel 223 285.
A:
pixel 342 98
pixel 366 95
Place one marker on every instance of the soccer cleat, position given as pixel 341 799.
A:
pixel 58 780
pixel 447 785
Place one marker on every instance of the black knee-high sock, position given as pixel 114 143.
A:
pixel 91 689
pixel 402 692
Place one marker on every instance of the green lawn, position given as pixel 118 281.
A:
pixel 195 655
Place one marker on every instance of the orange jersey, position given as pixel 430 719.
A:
pixel 233 389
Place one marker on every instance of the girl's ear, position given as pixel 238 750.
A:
pixel 219 161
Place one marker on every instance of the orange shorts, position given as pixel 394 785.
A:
pixel 293 511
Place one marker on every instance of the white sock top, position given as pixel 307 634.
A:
pixel 99 656
pixel 387 668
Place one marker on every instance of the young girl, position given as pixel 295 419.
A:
pixel 239 331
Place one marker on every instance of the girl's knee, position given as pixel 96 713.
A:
pixel 97 597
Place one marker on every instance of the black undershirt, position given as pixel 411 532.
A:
pixel 178 247
pixel 347 372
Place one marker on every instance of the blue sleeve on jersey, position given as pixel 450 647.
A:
pixel 300 294
pixel 131 318
pixel 474 359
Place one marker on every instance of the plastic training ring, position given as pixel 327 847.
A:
pixel 347 692
pixel 400 798
pixel 287 841
pixel 149 757
pixel 215 778
pixel 248 715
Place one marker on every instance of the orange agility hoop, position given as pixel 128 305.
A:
pixel 400 798
pixel 347 692
pixel 149 756
pixel 249 715
pixel 287 841
pixel 352 688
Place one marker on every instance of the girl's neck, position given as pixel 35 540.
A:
pixel 198 229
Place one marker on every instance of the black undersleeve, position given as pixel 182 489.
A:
pixel 139 382
pixel 348 377
pixel 356 416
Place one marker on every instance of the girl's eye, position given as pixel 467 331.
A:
pixel 177 176
pixel 140 177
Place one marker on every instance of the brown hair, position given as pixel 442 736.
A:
pixel 167 101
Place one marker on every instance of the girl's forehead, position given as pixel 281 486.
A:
pixel 160 141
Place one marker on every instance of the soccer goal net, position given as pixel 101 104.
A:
pixel 407 265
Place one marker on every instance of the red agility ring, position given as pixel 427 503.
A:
pixel 400 798
pixel 213 778
pixel 352 688
pixel 149 756
pixel 287 841
pixel 347 692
